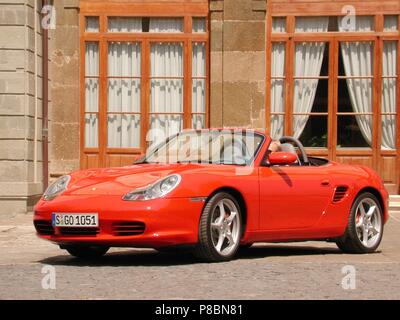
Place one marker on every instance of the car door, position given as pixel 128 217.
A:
pixel 293 197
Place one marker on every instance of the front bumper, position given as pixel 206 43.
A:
pixel 167 222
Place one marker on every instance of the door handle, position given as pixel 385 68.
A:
pixel 325 183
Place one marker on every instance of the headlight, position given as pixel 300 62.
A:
pixel 56 188
pixel 155 190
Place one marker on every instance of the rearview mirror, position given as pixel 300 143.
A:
pixel 282 158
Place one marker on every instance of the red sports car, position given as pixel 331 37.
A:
pixel 213 191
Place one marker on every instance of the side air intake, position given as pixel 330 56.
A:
pixel 340 193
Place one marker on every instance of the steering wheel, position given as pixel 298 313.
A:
pixel 297 142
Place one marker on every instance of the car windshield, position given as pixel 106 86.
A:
pixel 226 147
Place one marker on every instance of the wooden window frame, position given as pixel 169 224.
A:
pixel 97 157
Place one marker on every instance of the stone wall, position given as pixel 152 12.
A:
pixel 20 106
pixel 64 71
pixel 237 63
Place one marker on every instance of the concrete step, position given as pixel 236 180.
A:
pixel 394 203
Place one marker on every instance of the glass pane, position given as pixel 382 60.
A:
pixel 351 23
pixel 199 60
pixel 122 24
pixel 92 59
pixel 309 58
pixel 92 24
pixel 198 121
pixel 356 59
pixel 199 25
pixel 124 95
pixel 91 131
pixel 123 131
pixel 278 24
pixel 278 59
pixel 166 25
pixel 391 23
pixel 354 131
pixel 166 96
pixel 312 24
pixel 389 61
pixel 278 70
pixel 389 132
pixel 91 95
pixel 277 126
pixel 124 59
pixel 163 126
pixel 167 60
pixel 315 133
pixel 278 95
pixel 198 96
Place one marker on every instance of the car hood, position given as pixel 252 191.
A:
pixel 119 181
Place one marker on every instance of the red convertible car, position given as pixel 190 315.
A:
pixel 213 191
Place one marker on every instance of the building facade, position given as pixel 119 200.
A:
pixel 323 71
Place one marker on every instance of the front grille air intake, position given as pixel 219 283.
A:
pixel 44 227
pixel 128 228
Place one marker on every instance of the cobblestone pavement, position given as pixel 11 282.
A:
pixel 309 270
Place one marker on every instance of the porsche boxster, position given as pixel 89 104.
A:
pixel 212 192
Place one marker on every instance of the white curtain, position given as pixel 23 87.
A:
pixel 278 25
pixel 124 94
pixel 92 24
pixel 389 102
pixel 166 25
pixel 358 62
pixel 277 89
pixel 91 94
pixel 198 84
pixel 166 99
pixel 199 25
pixel 391 23
pixel 308 63
pixel 122 24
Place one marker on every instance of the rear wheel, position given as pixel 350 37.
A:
pixel 365 226
pixel 87 252
pixel 220 229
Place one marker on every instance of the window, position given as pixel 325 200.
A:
pixel 92 24
pixel 91 94
pixel 278 89
pixel 389 96
pixel 356 84
pixel 391 23
pixel 317 94
pixel 124 94
pixel 141 74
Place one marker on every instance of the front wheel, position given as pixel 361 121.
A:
pixel 220 229
pixel 365 226
pixel 87 252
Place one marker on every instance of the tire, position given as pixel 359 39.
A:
pixel 360 220
pixel 219 233
pixel 87 252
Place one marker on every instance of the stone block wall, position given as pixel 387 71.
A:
pixel 237 63
pixel 20 106
pixel 64 72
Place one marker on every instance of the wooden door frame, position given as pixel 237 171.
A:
pixel 334 38
pixel 106 9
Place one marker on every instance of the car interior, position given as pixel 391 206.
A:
pixel 294 146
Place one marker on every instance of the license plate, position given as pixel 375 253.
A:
pixel 75 220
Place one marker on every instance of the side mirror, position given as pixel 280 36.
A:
pixel 282 158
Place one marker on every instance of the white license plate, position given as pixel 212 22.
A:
pixel 75 220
